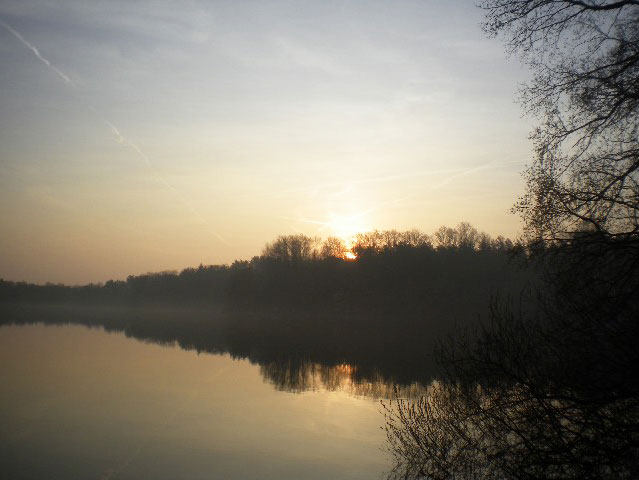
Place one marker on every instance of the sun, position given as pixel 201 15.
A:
pixel 346 226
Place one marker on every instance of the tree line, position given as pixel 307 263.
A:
pixel 302 302
pixel 380 270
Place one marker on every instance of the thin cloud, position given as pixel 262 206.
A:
pixel 37 53
pixel 122 140
pixel 117 134
pixel 344 185
pixel 408 199
pixel 125 142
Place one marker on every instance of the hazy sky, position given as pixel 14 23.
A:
pixel 144 136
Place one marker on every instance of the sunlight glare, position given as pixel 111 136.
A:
pixel 346 226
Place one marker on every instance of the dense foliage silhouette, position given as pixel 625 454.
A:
pixel 302 302
pixel 550 392
pixel 391 270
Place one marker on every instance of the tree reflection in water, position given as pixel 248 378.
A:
pixel 293 359
pixel 299 376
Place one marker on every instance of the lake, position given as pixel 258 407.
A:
pixel 79 402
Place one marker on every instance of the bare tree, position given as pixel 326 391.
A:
pixel 585 91
pixel 582 195
pixel 292 248
pixel 333 247
pixel 548 391
pixel 387 240
pixel 445 237
pixel 526 398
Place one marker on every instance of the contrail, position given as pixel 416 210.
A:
pixel 37 53
pixel 117 134
pixel 125 142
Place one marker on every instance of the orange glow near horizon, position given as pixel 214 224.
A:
pixel 346 226
pixel 293 126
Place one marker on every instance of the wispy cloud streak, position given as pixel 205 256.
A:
pixel 122 140
pixel 117 134
pixel 404 201
pixel 37 53
pixel 344 185
pixel 125 142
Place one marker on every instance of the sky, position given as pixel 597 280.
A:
pixel 149 136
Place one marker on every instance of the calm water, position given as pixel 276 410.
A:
pixel 83 403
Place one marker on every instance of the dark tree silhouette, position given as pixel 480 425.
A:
pixel 292 248
pixel 526 398
pixel 333 247
pixel 380 312
pixel 585 55
pixel 547 390
pixel 390 267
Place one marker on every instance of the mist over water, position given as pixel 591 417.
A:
pixel 333 334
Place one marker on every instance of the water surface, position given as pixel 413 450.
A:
pixel 84 403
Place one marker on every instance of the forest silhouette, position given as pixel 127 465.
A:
pixel 304 302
